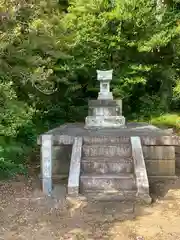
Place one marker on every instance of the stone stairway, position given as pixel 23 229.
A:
pixel 107 169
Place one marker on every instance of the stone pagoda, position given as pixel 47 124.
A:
pixel 105 112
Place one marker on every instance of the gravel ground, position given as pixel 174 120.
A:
pixel 25 214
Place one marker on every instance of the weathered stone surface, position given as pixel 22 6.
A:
pixel 103 111
pixel 58 139
pixel 177 149
pixel 160 167
pixel 102 103
pixel 106 140
pixel 104 95
pixel 104 122
pixel 106 165
pixel 155 179
pixel 159 152
pixel 143 199
pixel 75 165
pixel 46 164
pixel 107 151
pixel 111 196
pixel 177 152
pixel 107 182
pixel 160 140
pixel 142 182
pixel 61 159
pixel 65 133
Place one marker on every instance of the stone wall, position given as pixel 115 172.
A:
pixel 160 161
pixel 177 152
pixel 160 156
pixel 61 161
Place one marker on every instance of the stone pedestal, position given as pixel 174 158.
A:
pixel 105 122
pixel 105 112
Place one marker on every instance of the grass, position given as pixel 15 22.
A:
pixel 167 120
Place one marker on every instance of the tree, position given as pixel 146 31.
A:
pixel 128 38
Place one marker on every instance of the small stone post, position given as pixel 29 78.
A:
pixel 46 158
pixel 105 77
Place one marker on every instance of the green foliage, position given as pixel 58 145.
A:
pixel 128 38
pixel 167 120
pixel 49 53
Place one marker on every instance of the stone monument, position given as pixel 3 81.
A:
pixel 106 159
pixel 105 112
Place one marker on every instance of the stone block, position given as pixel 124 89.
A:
pixel 61 159
pixel 159 152
pixel 160 140
pixel 107 182
pixel 103 111
pixel 102 103
pixel 177 152
pixel 75 166
pixel 104 122
pixel 105 165
pixel 111 196
pixel 123 150
pixel 105 95
pixel 142 182
pixel 62 140
pixel 106 140
pixel 46 164
pixel 160 167
pixel 178 163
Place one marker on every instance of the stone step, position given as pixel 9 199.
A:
pixel 106 165
pixel 106 140
pixel 108 182
pixel 111 196
pixel 122 150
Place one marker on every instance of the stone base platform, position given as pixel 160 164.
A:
pixel 105 153
pixel 66 132
pixel 104 114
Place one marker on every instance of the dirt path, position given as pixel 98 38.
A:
pixel 26 214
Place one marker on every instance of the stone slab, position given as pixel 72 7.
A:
pixel 46 164
pixel 124 150
pixel 105 96
pixel 177 149
pixel 178 163
pixel 106 165
pixel 107 182
pixel 106 140
pixel 65 134
pixel 104 122
pixel 161 141
pixel 75 165
pixel 104 111
pixel 154 179
pixel 177 153
pixel 160 167
pixel 102 103
pixel 159 152
pixel 111 196
pixel 142 182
